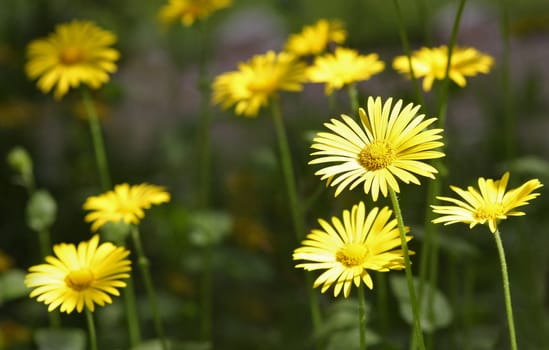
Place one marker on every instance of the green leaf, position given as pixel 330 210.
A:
pixel 435 316
pixel 12 285
pixel 60 339
pixel 41 211
pixel 209 227
pixel 155 344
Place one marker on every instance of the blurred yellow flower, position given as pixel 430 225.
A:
pixel 342 67
pixel 390 143
pixel 348 249
pixel 257 80
pixel 77 52
pixel 314 39
pixel 487 205
pixel 78 277
pixel 189 11
pixel 430 63
pixel 126 203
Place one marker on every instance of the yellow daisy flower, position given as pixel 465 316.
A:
pixel 255 81
pixel 348 249
pixel 314 39
pixel 189 11
pixel 430 63
pixel 389 144
pixel 126 203
pixel 342 67
pixel 77 52
pixel 487 205
pixel 78 277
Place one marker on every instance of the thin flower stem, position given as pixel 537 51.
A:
pixel 91 330
pixel 296 212
pixel 97 139
pixel 204 166
pixel 509 110
pixel 143 263
pixel 506 291
pixel 407 52
pixel 408 269
pixel 430 247
pixel 353 97
pixel 131 313
pixel 362 316
pixel 206 289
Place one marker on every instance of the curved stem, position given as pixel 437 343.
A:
pixel 132 319
pixel 97 139
pixel 506 291
pixel 296 211
pixel 411 289
pixel 91 330
pixel 362 316
pixel 143 263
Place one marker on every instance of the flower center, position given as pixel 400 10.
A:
pixel 79 280
pixel 265 85
pixel 375 156
pixel 71 55
pixel 352 254
pixel 488 211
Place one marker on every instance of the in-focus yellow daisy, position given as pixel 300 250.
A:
pixel 189 11
pixel 349 247
pixel 342 67
pixel 77 52
pixel 430 63
pixel 126 203
pixel 78 277
pixel 250 87
pixel 390 143
pixel 487 205
pixel 314 39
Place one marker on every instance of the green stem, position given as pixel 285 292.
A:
pixel 362 316
pixel 407 52
pixel 206 288
pixel 353 97
pixel 97 139
pixel 509 109
pixel 132 319
pixel 407 267
pixel 296 212
pixel 204 165
pixel 143 263
pixel 506 291
pixel 91 330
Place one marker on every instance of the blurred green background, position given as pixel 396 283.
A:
pixel 149 113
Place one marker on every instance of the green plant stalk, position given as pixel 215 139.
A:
pixel 418 334
pixel 353 98
pixel 91 330
pixel 204 166
pixel 506 291
pixel 362 316
pixel 132 319
pixel 407 52
pixel 143 263
pixel 97 139
pixel 296 212
pixel 206 290
pixel 509 110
